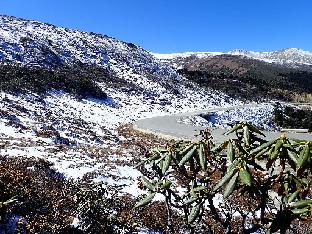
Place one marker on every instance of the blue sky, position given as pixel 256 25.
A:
pixel 178 25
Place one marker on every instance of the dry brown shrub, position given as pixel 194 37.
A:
pixel 44 197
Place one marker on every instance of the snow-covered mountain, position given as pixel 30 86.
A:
pixel 35 125
pixel 289 57
pixel 284 56
pixel 32 43
pixel 37 44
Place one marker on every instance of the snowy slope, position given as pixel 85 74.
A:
pixel 31 43
pixel 80 136
pixel 38 44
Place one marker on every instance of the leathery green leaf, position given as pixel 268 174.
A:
pixel 186 150
pixel 274 154
pixel 256 130
pixel 245 177
pixel 202 158
pixel 235 128
pixel 194 214
pixel 276 150
pixel 187 156
pixel 293 196
pixel 235 163
pixel 304 154
pixel 166 163
pixel 300 211
pixel 147 183
pixel 246 135
pixel 298 140
pixel 225 178
pixel 220 147
pixel 145 200
pixel 262 147
pixel 230 186
pixel 292 156
pixel 260 153
pixel 300 204
pixel 278 144
pixel 230 152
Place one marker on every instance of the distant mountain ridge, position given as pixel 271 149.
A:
pixel 242 76
pixel 289 57
pixel 283 56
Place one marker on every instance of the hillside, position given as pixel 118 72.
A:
pixel 249 77
pixel 65 86
pixel 34 44
pixel 67 101
pixel 70 88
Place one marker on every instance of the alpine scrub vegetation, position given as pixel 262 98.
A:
pixel 290 117
pixel 35 198
pixel 243 185
pixel 78 81
pixel 249 79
